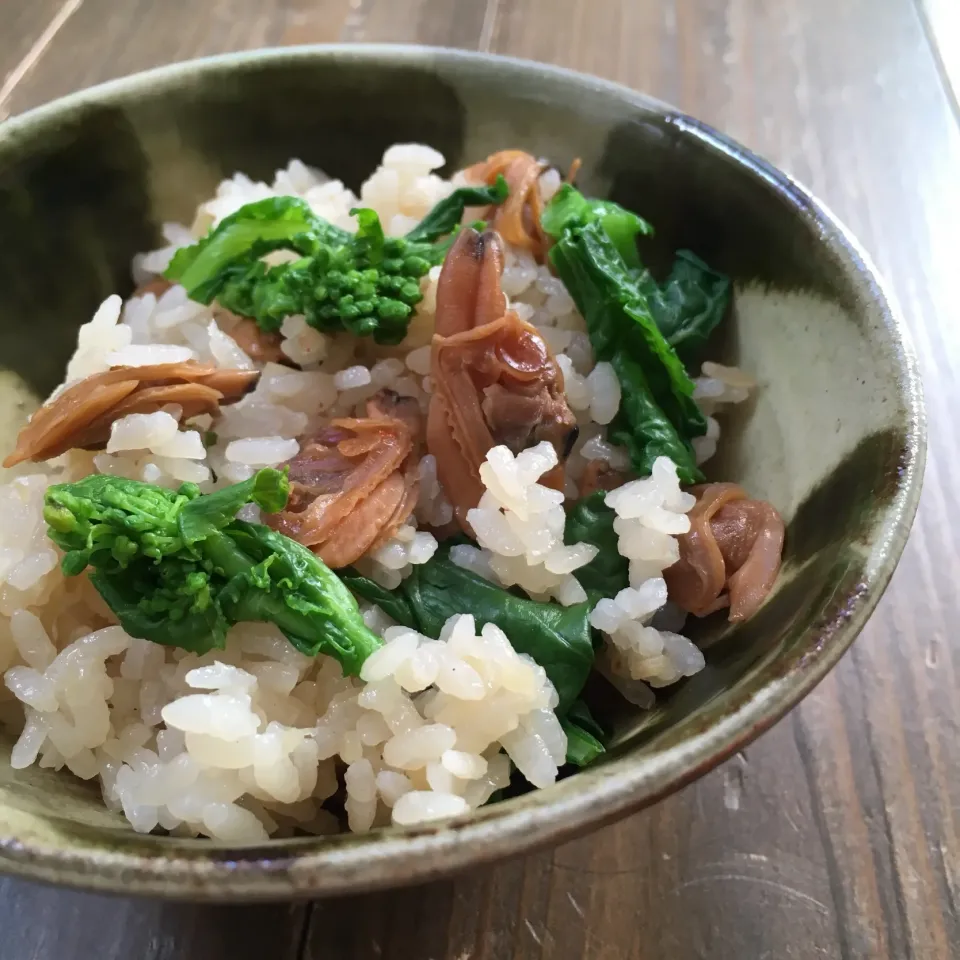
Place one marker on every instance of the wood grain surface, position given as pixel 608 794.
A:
pixel 836 834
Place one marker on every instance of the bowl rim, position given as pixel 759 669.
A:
pixel 315 866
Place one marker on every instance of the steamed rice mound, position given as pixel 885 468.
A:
pixel 259 740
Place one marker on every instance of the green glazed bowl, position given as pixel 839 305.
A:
pixel 835 438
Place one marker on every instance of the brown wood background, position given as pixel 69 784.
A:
pixel 836 835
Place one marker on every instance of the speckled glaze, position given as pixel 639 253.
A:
pixel 835 437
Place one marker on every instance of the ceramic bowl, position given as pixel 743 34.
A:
pixel 835 437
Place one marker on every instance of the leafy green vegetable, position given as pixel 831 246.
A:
pixel 690 304
pixel 641 340
pixel 203 516
pixel 582 747
pixel 561 645
pixel 256 229
pixel 365 282
pixel 586 739
pixel 569 208
pixel 369 240
pixel 642 428
pixel 558 638
pixel 446 215
pixel 394 603
pixel 178 568
pixel 658 415
pixel 590 520
pixel 291 587
pixel 581 715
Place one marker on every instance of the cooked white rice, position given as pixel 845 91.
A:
pixel 519 523
pixel 251 741
pixel 178 739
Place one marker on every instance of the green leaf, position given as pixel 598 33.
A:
pixel 179 569
pixel 276 223
pixel 595 255
pixel 110 521
pixel 586 739
pixel 641 424
pixel 590 520
pixel 446 215
pixel 690 304
pixel 558 638
pixel 365 282
pixel 197 627
pixel 205 515
pixel 569 208
pixel 267 294
pixel 644 429
pixel 581 715
pixel 393 603
pixel 369 237
pixel 291 587
pixel 582 746
pixel 670 385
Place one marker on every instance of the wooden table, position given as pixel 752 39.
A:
pixel 836 835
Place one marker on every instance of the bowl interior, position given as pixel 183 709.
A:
pixel 832 438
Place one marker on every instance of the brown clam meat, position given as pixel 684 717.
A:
pixel 354 482
pixel 158 286
pixel 599 475
pixel 517 219
pixel 495 380
pixel 80 416
pixel 260 345
pixel 730 556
